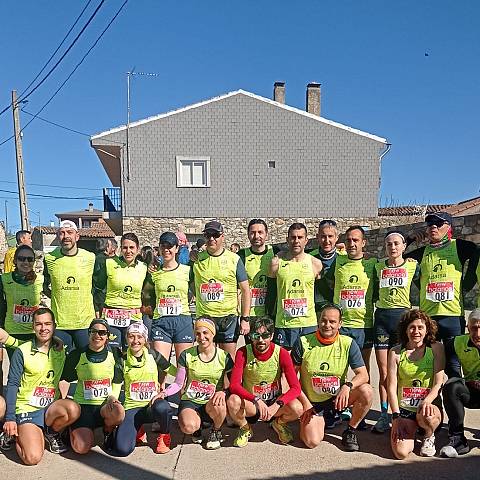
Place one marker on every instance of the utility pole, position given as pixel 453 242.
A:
pixel 22 196
pixel 6 219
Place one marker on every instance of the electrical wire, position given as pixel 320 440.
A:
pixel 54 196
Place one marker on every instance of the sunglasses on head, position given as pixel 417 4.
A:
pixel 100 333
pixel 21 258
pixel 257 336
pixel 437 222
pixel 211 233
pixel 327 223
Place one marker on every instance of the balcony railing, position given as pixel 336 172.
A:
pixel 112 199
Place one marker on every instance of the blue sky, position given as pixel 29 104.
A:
pixel 369 57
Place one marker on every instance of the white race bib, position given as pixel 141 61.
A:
pixel 200 390
pixel 143 390
pixel 266 391
pixel 352 299
pixel 118 317
pixel 212 292
pixel 97 389
pixel 295 307
pixel 326 385
pixel 258 297
pixel 42 397
pixel 393 277
pixel 413 396
pixel 23 313
pixel 440 292
pixel 169 306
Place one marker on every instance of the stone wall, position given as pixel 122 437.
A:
pixel 149 229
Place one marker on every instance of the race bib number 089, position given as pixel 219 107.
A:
pixel 212 292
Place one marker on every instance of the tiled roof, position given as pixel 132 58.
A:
pixel 459 208
pixel 96 231
pixel 412 210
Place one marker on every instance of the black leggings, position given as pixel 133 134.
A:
pixel 125 436
pixel 456 397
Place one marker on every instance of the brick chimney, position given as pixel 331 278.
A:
pixel 90 207
pixel 313 98
pixel 279 92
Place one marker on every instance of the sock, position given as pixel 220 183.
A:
pixel 384 407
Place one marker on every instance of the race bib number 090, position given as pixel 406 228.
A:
pixel 326 385
pixel 393 277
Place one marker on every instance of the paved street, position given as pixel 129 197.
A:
pixel 263 458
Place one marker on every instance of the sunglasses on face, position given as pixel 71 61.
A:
pixel 257 336
pixel 213 234
pixel 437 223
pixel 21 258
pixel 100 333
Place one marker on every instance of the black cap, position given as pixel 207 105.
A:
pixel 168 237
pixel 99 321
pixel 446 217
pixel 214 225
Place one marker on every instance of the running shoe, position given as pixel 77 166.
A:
pixel 163 443
pixel 382 425
pixel 141 437
pixel 283 431
pixel 214 440
pixel 428 447
pixel 54 441
pixel 197 436
pixel 346 415
pixel 350 440
pixel 245 433
pixel 457 445
pixel 332 420
pixel 6 442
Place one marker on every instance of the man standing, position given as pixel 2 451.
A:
pixel 68 272
pixel 442 283
pixel 352 280
pixel 256 259
pixel 23 237
pixel 290 289
pixel 218 274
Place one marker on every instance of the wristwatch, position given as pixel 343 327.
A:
pixel 244 319
pixel 280 402
pixel 349 385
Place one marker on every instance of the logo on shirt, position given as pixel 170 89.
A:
pixel 171 288
pixel 70 280
pixel 353 279
pixel 24 302
pixel 70 284
pixel 324 366
pixel 437 267
pixel 262 279
pixel 50 374
pixel 296 282
pixel 416 383
pixel 393 292
pixel 212 280
pixel 127 289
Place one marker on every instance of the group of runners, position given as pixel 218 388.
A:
pixel 309 319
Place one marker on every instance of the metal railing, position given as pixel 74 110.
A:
pixel 112 199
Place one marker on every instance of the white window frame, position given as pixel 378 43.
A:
pixel 192 158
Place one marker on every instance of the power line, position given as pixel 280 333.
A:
pixel 42 81
pixel 54 196
pixel 57 49
pixel 72 72
pixel 56 124
pixel 54 186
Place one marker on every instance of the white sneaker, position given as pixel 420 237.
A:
pixel 428 447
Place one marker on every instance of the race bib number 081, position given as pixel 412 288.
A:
pixel 440 292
